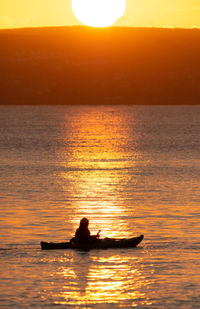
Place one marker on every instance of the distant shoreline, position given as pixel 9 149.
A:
pixel 96 28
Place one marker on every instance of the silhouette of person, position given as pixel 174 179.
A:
pixel 82 235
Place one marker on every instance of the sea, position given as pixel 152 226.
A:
pixel 130 170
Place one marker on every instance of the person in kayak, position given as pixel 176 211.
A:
pixel 82 235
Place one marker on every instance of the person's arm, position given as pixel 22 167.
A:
pixel 98 234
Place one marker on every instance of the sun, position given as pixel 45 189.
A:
pixel 98 13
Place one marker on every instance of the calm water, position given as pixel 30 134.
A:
pixel 130 170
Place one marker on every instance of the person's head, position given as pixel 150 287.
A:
pixel 84 222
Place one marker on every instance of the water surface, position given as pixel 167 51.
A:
pixel 131 170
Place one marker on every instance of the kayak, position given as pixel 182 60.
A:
pixel 106 243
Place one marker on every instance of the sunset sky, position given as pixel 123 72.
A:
pixel 143 13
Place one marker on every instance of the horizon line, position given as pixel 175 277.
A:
pixel 102 28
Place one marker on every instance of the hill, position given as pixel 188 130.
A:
pixel 81 65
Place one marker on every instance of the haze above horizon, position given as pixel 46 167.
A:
pixel 146 13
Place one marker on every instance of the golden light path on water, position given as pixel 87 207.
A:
pixel 97 162
pixel 98 151
pixel 109 280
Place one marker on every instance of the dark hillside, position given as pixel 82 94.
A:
pixel 81 65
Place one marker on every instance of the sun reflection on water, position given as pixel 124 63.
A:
pixel 95 161
pixel 107 279
pixel 95 169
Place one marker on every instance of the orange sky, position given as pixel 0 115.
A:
pixel 140 13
